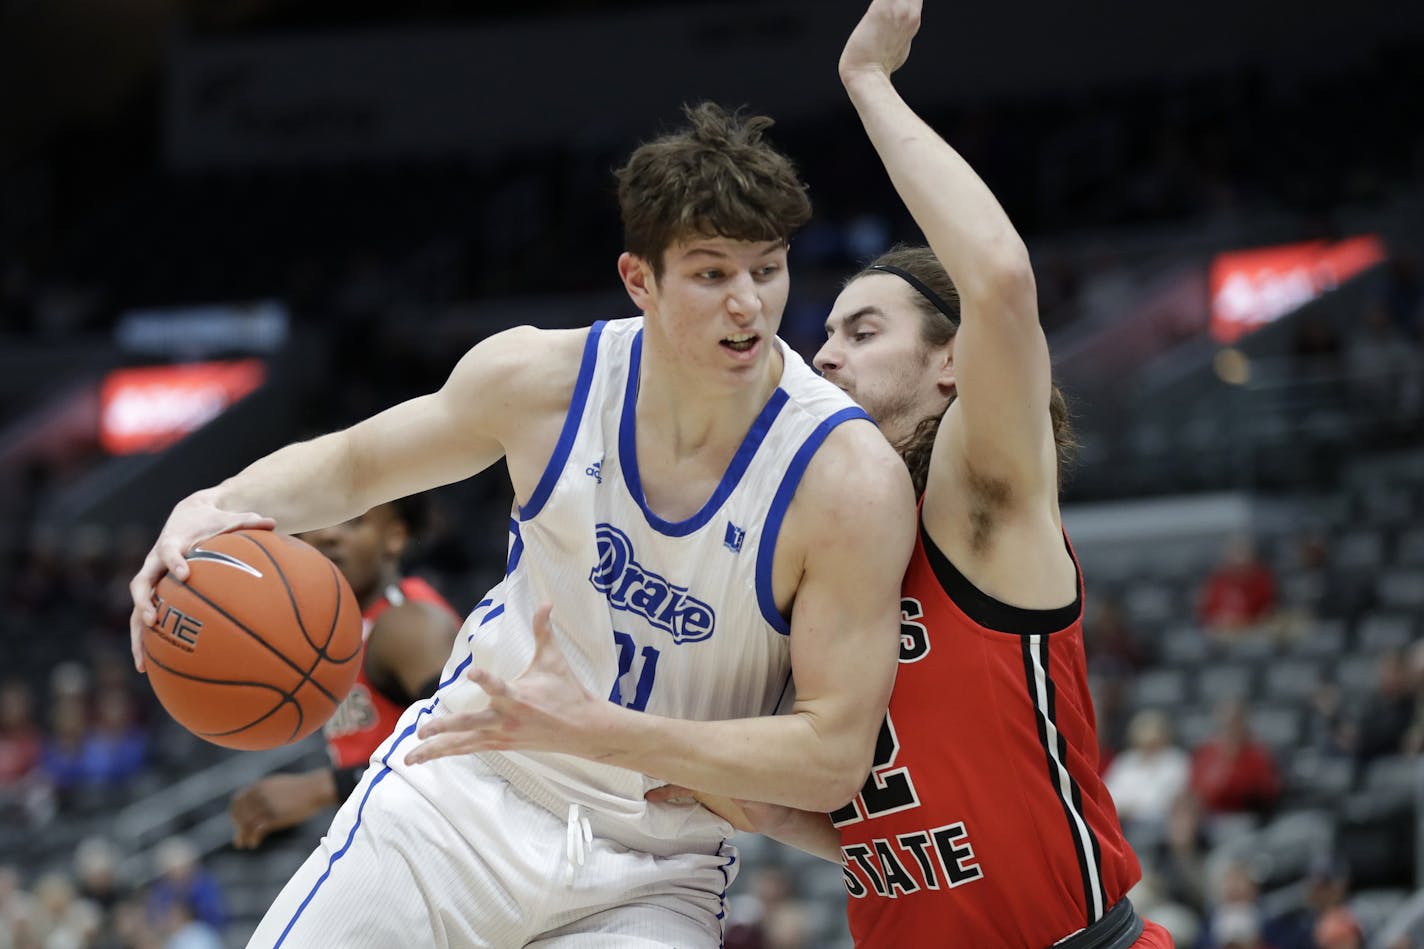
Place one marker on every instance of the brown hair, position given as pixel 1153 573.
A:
pixel 936 329
pixel 715 177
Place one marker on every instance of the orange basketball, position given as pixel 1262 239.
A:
pixel 259 646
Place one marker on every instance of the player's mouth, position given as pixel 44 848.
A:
pixel 742 344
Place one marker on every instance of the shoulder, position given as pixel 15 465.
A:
pixel 856 486
pixel 518 370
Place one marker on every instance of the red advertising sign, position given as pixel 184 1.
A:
pixel 148 409
pixel 1250 288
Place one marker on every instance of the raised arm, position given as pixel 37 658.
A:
pixel 494 396
pixel 1002 372
pixel 852 520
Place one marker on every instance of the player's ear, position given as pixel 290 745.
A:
pixel 944 376
pixel 638 279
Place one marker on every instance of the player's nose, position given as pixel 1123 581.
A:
pixel 828 358
pixel 743 301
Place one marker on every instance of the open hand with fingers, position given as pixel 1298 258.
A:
pixel 194 519
pixel 544 708
pixel 881 41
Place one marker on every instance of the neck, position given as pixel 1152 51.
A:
pixel 690 416
pixel 388 576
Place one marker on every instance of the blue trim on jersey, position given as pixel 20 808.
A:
pixel 628 452
pixel 516 549
pixel 481 605
pixel 777 513
pixel 726 882
pixel 555 468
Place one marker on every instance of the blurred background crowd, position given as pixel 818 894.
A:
pixel 226 225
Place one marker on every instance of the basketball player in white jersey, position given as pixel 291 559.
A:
pixel 698 506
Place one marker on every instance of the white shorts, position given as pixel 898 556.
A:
pixel 394 871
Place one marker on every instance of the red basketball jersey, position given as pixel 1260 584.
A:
pixel 366 716
pixel 984 821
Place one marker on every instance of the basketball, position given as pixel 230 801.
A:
pixel 259 645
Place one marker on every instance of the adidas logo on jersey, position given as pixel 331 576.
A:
pixel 633 588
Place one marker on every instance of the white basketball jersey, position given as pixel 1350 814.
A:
pixel 675 619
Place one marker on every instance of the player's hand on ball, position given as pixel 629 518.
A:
pixel 880 42
pixel 194 519
pixel 544 708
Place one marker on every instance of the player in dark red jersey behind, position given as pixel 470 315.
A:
pixel 409 629
pixel 984 822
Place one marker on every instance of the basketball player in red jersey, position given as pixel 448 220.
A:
pixel 983 822
pixel 409 630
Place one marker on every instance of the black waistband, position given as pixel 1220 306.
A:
pixel 1118 929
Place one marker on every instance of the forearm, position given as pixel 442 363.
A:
pixel 302 486
pixel 811 831
pixel 960 217
pixel 780 759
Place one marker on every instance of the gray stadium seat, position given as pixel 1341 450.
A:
pixel 1278 727
pixel 1409 551
pixel 1185 645
pixel 1160 688
pixel 1402 588
pixel 1319 776
pixel 1358 674
pixel 1323 637
pixel 1218 682
pixel 1359 550
pixel 1291 842
pixel 1396 777
pixel 1292 679
pixel 1194 726
pixel 1380 631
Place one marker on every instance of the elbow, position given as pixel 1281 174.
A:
pixel 1008 272
pixel 840 783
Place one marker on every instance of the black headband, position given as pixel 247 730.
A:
pixel 920 287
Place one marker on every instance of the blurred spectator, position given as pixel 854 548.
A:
pixel 1180 860
pixel 38 584
pixel 1236 921
pixel 1338 929
pixel 62 920
pixel 1237 927
pixel 1330 729
pixel 80 758
pixel 63 754
pixel 182 879
pixel 1414 661
pixel 16 907
pixel 1110 642
pixel 1327 886
pixel 20 742
pixel 96 864
pixel 1240 593
pixel 1146 779
pixel 1387 715
pixel 1152 902
pixel 1232 772
pixel 116 749
pixel 1110 699
pixel 769 916
pixel 183 930
pixel 1385 366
